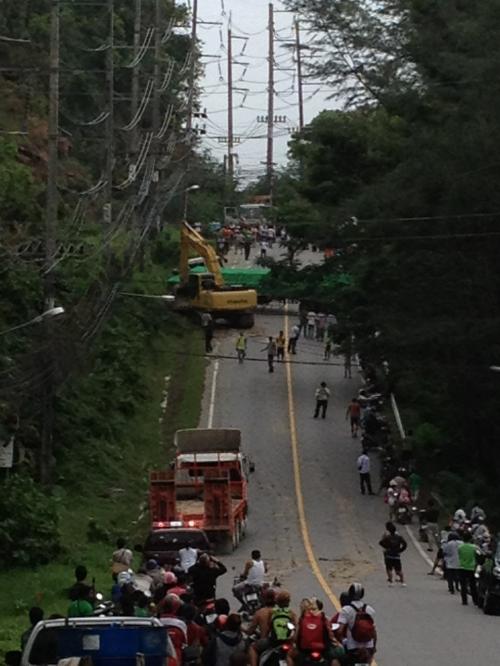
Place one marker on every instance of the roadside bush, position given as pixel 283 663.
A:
pixel 28 523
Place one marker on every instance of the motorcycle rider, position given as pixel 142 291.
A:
pixel 280 610
pixel 224 643
pixel 252 576
pixel 314 632
pixel 357 622
pixel 187 557
pixel 204 575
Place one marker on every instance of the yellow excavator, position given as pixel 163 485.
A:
pixel 205 291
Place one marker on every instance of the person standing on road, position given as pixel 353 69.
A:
pixel 241 347
pixel 207 323
pixel 353 413
pixel 467 561
pixel 311 323
pixel 432 531
pixel 393 545
pixel 280 347
pixel 365 482
pixel 347 367
pixel 292 340
pixel 328 347
pixel 322 397
pixel 452 561
pixel 415 483
pixel 271 349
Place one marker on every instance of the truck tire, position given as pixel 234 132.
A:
pixel 245 321
pixel 226 545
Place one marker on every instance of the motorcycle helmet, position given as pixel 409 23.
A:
pixel 152 564
pixel 459 516
pixel 356 591
pixel 124 577
pixel 220 622
pixel 169 578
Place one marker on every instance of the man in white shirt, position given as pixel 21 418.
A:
pixel 364 473
pixel 322 396
pixel 253 575
pixel 358 618
pixel 188 557
pixel 292 340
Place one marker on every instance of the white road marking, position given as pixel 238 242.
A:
pixel 212 395
pixel 419 547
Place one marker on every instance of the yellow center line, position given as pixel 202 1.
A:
pixel 298 483
pixel 299 495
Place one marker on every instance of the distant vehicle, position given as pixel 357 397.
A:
pixel 163 545
pixel 206 488
pixel 105 641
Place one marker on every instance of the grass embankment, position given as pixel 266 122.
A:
pixel 102 491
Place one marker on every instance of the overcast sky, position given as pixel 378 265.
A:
pixel 250 19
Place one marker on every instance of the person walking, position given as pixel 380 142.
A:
pixel 452 561
pixel 365 482
pixel 322 397
pixel 311 324
pixel 467 561
pixel 328 347
pixel 280 347
pixel 347 367
pixel 353 413
pixel 207 323
pixel 241 347
pixel 271 349
pixel 292 340
pixel 393 545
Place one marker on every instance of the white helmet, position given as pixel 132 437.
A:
pixel 356 591
pixel 460 516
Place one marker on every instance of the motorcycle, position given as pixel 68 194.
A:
pixel 312 658
pixel 277 655
pixel 403 514
pixel 488 581
pixel 103 608
pixel 251 599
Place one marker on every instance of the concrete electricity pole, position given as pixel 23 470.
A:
pixel 51 225
pixel 110 88
pixel 230 124
pixel 300 85
pixel 270 104
pixel 135 76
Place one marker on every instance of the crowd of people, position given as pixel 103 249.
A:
pixel 241 237
pixel 204 629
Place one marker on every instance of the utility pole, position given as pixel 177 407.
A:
pixel 135 75
pixel 270 104
pixel 300 86
pixel 194 36
pixel 230 125
pixel 51 224
pixel 110 88
pixel 156 108
pixel 189 120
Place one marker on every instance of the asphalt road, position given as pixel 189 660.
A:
pixel 418 624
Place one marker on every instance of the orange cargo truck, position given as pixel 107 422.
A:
pixel 205 487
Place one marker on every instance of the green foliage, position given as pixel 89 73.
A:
pixel 29 525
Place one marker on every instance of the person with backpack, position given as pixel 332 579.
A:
pixel 393 545
pixel 275 625
pixel 357 627
pixel 314 633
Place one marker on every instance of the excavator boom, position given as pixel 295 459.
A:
pixel 192 240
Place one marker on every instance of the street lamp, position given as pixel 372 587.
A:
pixel 191 188
pixel 48 314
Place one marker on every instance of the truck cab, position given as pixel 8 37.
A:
pixel 99 641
